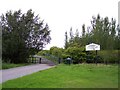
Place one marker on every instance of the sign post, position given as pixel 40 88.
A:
pixel 93 47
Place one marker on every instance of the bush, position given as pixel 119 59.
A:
pixel 89 59
pixel 76 53
pixel 109 56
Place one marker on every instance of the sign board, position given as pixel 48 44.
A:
pixel 92 47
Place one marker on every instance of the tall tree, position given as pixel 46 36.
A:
pixel 102 31
pixel 71 36
pixel 112 33
pixel 76 40
pixel 83 39
pixel 66 40
pixel 117 39
pixel 23 35
pixel 96 29
pixel 113 27
pixel 83 30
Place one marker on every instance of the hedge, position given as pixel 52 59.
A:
pixel 110 56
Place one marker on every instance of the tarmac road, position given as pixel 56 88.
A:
pixel 13 73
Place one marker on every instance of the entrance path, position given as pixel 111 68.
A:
pixel 13 73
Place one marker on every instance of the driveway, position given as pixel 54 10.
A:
pixel 13 73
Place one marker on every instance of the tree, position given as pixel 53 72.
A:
pixel 71 41
pixel 76 39
pixel 117 39
pixel 66 40
pixel 97 29
pixel 112 33
pixel 56 51
pixel 71 35
pixel 83 39
pixel 102 31
pixel 22 35
pixel 83 30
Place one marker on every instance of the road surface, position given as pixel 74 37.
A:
pixel 13 73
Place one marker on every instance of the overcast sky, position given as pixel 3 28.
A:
pixel 63 14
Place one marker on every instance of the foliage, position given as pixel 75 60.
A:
pixel 43 52
pixel 56 51
pixel 110 56
pixel 22 35
pixel 50 54
pixel 75 53
pixel 66 40
pixel 102 31
pixel 72 76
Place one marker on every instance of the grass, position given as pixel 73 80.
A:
pixel 11 65
pixel 0 86
pixel 73 76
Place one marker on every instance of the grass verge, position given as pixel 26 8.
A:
pixel 11 65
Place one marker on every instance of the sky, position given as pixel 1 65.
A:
pixel 61 15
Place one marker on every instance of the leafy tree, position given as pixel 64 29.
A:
pixel 103 32
pixel 56 51
pixel 22 35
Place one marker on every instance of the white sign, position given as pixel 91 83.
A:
pixel 92 47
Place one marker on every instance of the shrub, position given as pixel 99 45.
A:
pixel 76 53
pixel 89 59
pixel 109 56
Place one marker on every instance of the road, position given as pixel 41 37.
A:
pixel 13 73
